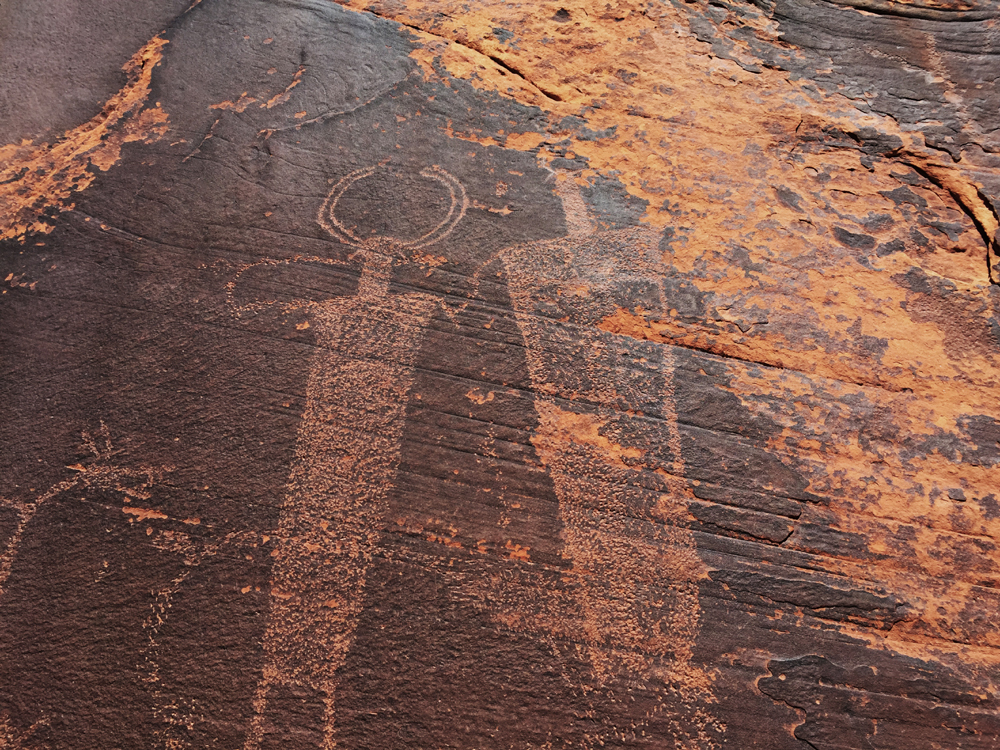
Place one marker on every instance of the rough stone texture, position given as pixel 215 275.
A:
pixel 417 374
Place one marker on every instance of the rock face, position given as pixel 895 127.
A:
pixel 573 374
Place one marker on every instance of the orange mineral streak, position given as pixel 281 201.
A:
pixel 144 514
pixel 584 429
pixel 245 100
pixel 686 125
pixel 708 145
pixel 936 553
pixel 928 539
pixel 36 180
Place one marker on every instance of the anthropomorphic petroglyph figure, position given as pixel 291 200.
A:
pixel 608 436
pixel 345 460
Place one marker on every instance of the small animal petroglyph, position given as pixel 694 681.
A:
pixel 101 473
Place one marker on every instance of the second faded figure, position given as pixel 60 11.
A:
pixel 607 434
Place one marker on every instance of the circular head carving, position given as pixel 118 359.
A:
pixel 328 211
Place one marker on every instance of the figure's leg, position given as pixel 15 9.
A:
pixel 612 450
pixel 606 440
pixel 255 733
pixel 346 457
pixel 329 721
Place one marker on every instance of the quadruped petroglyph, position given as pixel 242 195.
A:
pixel 99 473
pixel 607 435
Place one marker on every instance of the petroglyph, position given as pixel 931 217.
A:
pixel 132 484
pixel 346 455
pixel 608 437
pixel 12 739
pixel 177 714
pixel 173 712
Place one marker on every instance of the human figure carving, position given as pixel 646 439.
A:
pixel 607 435
pixel 346 455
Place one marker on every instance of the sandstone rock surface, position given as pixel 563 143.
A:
pixel 575 374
